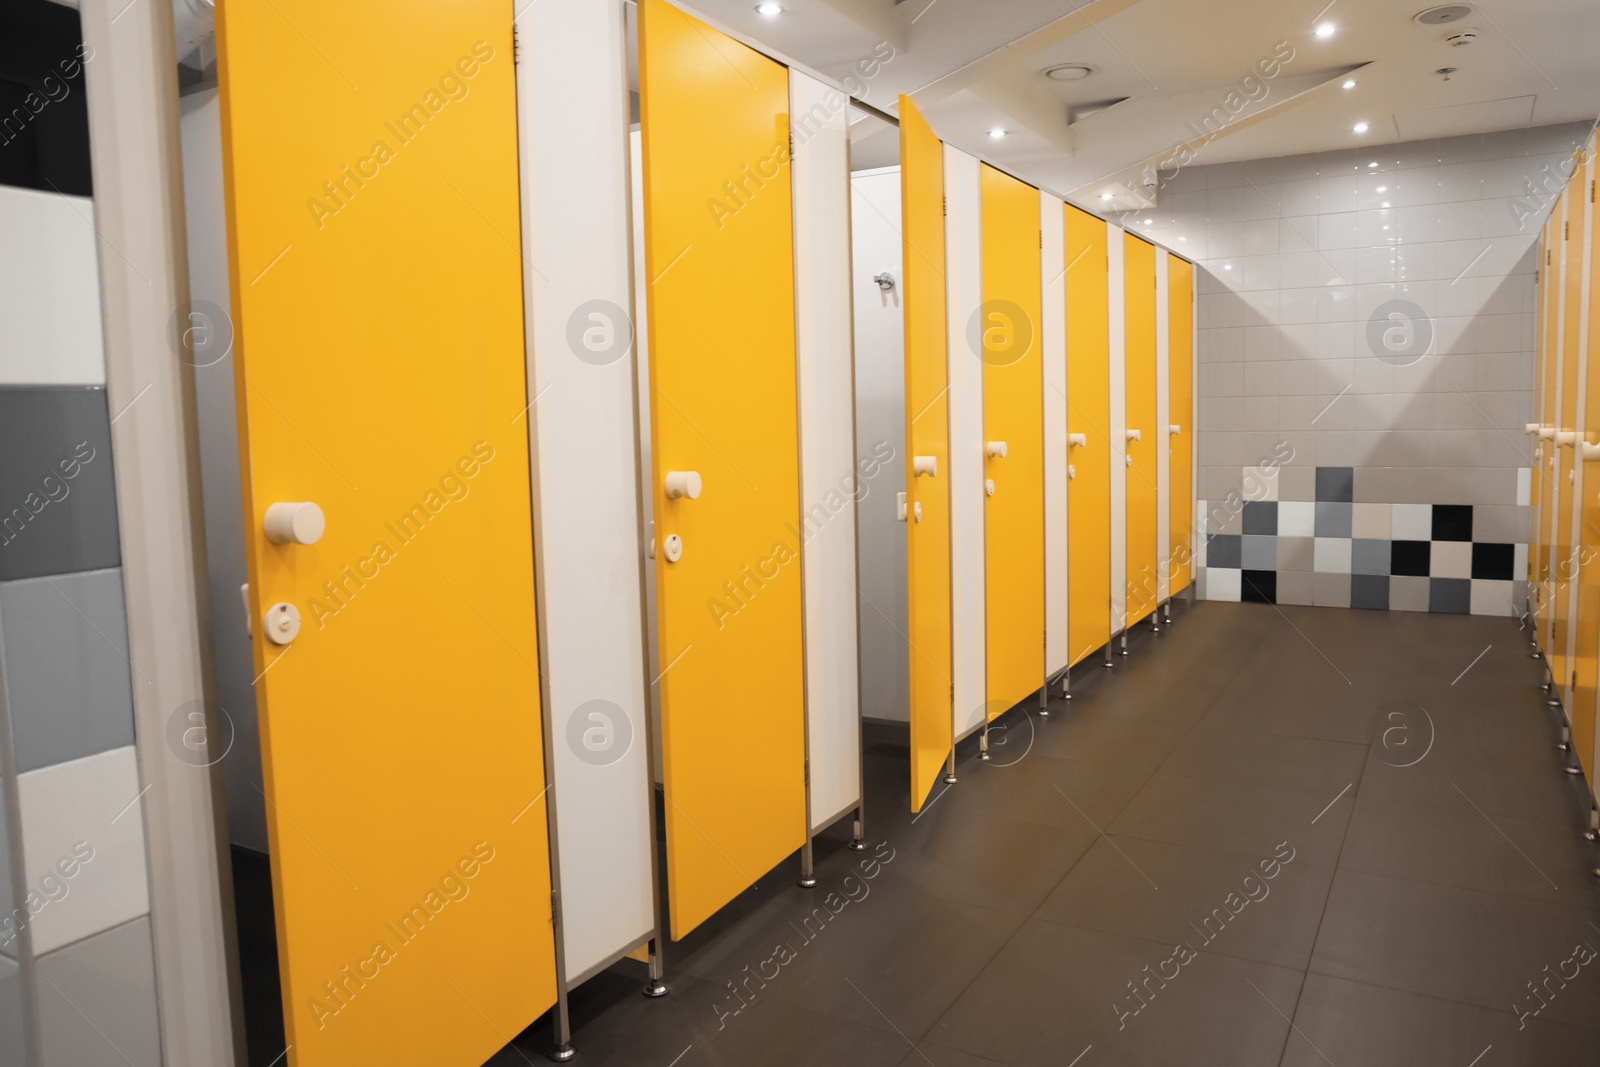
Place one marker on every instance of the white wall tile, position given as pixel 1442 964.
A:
pixel 90 804
pixel 49 290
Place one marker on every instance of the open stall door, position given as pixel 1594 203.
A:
pixel 719 254
pixel 1089 445
pixel 928 449
pixel 373 231
pixel 1008 338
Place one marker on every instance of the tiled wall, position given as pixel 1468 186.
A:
pixel 77 978
pixel 1306 380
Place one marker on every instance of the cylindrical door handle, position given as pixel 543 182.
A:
pixel 1590 452
pixel 1078 440
pixel 299 523
pixel 1566 437
pixel 928 465
pixel 1547 432
pixel 995 450
pixel 682 485
pixel 1530 428
pixel 1174 429
pixel 1135 435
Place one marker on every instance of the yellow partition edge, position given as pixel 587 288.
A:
pixel 1140 306
pixel 1090 448
pixel 927 435
pixel 1013 429
pixel 371 191
pixel 719 251
pixel 1563 558
pixel 1180 385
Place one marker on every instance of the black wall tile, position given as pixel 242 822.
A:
pixel 1490 560
pixel 1258 587
pixel 1411 557
pixel 1223 550
pixel 1452 522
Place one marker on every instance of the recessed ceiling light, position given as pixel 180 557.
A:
pixel 1148 222
pixel 1373 164
pixel 1361 127
pixel 769 10
pixel 1327 29
pixel 997 133
pixel 1349 83
pixel 1069 72
pixel 1438 16
pixel 1383 188
pixel 1105 196
pixel 1227 266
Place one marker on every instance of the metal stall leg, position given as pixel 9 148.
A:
pixel 808 874
pixel 858 842
pixel 950 768
pixel 657 986
pixel 1124 641
pixel 983 743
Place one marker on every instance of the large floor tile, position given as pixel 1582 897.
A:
pixel 1058 990
pixel 1274 760
pixel 1213 901
pixel 1455 944
pixel 1250 820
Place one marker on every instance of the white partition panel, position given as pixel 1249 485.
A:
pixel 880 431
pixel 1118 335
pixel 1163 432
pixel 572 102
pixel 1053 337
pixel 963 246
pixel 830 481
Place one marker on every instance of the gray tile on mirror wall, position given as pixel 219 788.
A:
pixel 98 992
pixel 13 1052
pixel 1297 482
pixel 67 675
pixel 58 505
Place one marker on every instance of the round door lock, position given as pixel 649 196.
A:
pixel 672 548
pixel 1072 470
pixel 916 509
pixel 988 486
pixel 281 623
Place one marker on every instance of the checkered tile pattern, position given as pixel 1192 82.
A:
pixel 1334 552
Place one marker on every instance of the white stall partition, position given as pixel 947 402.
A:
pixel 830 480
pixel 963 235
pixel 572 97
pixel 1163 436
pixel 1118 336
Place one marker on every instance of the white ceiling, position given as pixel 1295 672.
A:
pixel 974 65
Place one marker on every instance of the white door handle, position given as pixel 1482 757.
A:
pixel 1135 435
pixel 916 511
pixel 1590 452
pixel 1174 429
pixel 294 524
pixel 1566 437
pixel 996 449
pixel 900 506
pixel 928 465
pixel 1127 460
pixel 1530 428
pixel 682 485
pixel 1547 432
pixel 988 487
pixel 1077 440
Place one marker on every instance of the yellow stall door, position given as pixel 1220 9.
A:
pixel 1007 339
pixel 371 185
pixel 1089 445
pixel 1544 471
pixel 1586 667
pixel 1180 407
pixel 1144 440
pixel 1564 560
pixel 928 442
pixel 719 254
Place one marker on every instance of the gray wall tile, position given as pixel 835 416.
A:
pixel 51 523
pixel 67 673
pixel 1296 587
pixel 97 1001
pixel 1331 590
pixel 13 1052
pixel 1408 592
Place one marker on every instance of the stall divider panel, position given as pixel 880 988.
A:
pixel 1571 253
pixel 1140 309
pixel 1089 450
pixel 572 89
pixel 1555 264
pixel 1162 436
pixel 1007 342
pixel 830 483
pixel 1543 396
pixel 1053 336
pixel 376 285
pixel 1116 254
pixel 927 446
pixel 720 257
pixel 1587 625
pixel 964 299
pixel 1180 386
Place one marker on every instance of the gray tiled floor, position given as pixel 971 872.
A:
pixel 1021 909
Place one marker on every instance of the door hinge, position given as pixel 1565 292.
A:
pixel 944 205
pixel 1566 231
pixel 1041 240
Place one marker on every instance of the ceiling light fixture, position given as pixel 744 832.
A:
pixel 997 133
pixel 1327 29
pixel 1069 72
pixel 1105 196
pixel 1438 16
pixel 1361 127
pixel 1372 164
pixel 1349 83
pixel 1148 222
pixel 770 10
